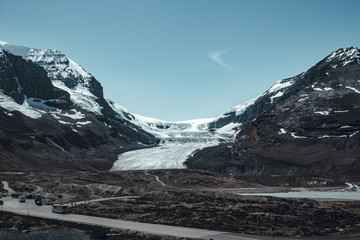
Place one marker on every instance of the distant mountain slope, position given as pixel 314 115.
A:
pixel 313 129
pixel 240 115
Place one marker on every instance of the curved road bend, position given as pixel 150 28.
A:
pixel 12 205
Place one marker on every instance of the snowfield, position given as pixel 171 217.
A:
pixel 9 104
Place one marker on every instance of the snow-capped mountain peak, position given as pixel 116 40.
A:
pixel 343 57
pixel 65 74
pixel 58 66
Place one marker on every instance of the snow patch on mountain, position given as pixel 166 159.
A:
pixel 228 131
pixel 326 113
pixel 240 109
pixel 9 104
pixel 73 113
pixel 81 97
pixel 282 131
pixel 279 85
pixel 354 89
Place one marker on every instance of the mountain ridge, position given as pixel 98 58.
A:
pixel 80 98
pixel 312 131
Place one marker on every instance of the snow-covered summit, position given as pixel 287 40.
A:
pixel 58 66
pixel 64 73
pixel 343 57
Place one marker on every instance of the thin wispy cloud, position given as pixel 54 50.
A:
pixel 217 57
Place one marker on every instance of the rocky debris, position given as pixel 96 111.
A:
pixel 91 185
pixel 192 198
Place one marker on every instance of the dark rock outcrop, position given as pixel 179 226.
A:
pixel 43 143
pixel 20 79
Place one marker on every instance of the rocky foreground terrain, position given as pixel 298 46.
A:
pixel 233 213
pixel 191 198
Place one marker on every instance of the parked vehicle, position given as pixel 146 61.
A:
pixel 15 195
pixel 22 199
pixel 30 196
pixel 1 202
pixel 38 202
pixel 38 196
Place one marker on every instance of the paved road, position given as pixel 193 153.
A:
pixel 29 208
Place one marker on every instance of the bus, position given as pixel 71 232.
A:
pixel 60 208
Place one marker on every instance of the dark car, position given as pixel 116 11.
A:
pixel 15 195
pixel 38 196
pixel 30 196
pixel 1 202
pixel 38 202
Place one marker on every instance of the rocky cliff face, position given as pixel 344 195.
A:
pixel 23 79
pixel 312 129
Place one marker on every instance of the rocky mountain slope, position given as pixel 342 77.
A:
pixel 312 129
pixel 53 114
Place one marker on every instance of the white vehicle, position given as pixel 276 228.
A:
pixel 59 208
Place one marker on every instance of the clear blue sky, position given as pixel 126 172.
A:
pixel 185 59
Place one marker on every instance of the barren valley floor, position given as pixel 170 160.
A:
pixel 185 198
